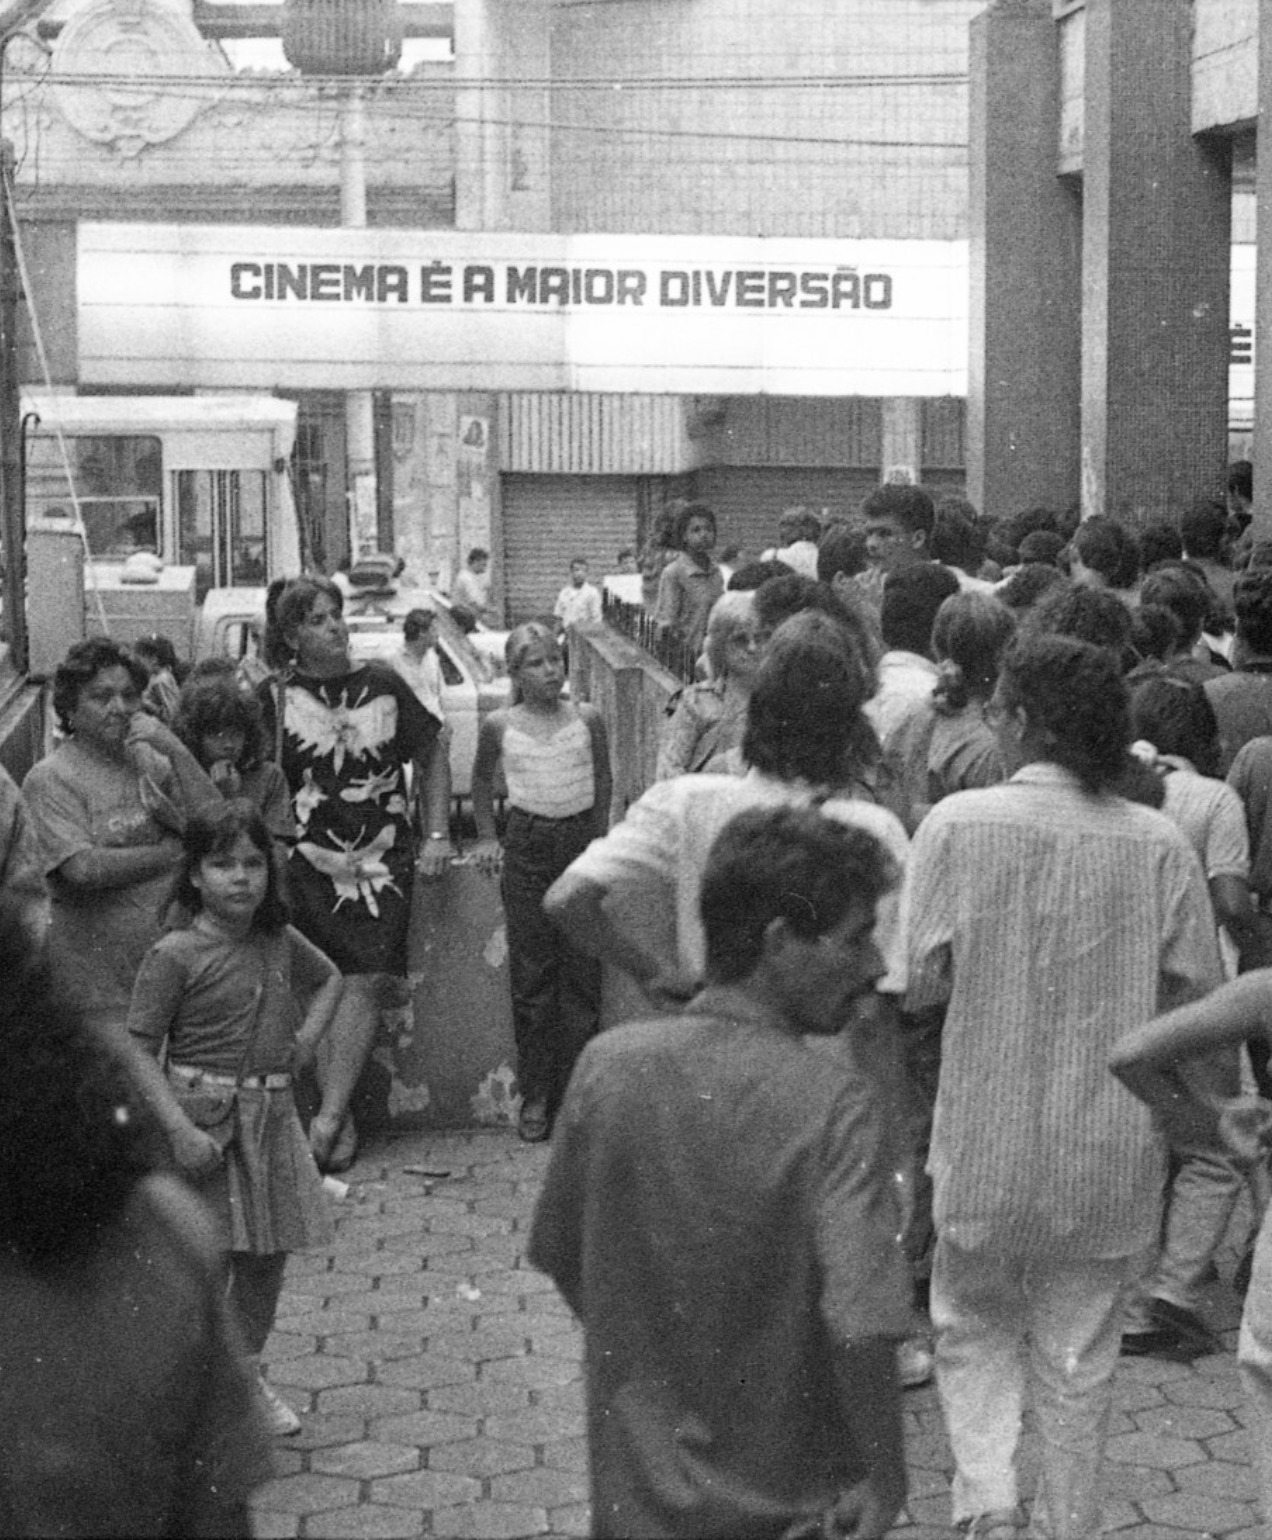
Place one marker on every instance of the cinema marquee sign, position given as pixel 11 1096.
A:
pixel 255 306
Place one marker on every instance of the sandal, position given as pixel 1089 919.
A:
pixel 532 1123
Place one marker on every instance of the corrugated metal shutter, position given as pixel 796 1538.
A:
pixel 549 520
pixel 748 499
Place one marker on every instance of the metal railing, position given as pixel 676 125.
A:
pixel 636 623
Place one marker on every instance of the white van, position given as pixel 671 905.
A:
pixel 200 481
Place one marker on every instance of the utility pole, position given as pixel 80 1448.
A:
pixel 13 17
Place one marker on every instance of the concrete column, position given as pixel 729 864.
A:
pixel 901 446
pixel 1261 453
pixel 1023 417
pixel 1157 217
pixel 359 404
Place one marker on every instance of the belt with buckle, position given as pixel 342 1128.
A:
pixel 191 1075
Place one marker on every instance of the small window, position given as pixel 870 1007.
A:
pixel 118 480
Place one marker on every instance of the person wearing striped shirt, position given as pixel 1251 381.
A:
pixel 1049 913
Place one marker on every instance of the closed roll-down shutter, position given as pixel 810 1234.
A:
pixel 748 499
pixel 549 520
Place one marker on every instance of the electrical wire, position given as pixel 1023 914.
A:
pixel 37 334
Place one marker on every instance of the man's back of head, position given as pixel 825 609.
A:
pixel 911 598
pixel 1252 604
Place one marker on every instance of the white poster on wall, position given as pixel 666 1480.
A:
pixel 180 306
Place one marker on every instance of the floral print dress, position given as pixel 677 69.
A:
pixel 344 747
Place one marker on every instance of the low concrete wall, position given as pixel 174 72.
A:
pixel 448 1060
pixel 631 692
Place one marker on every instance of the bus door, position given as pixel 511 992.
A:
pixel 222 527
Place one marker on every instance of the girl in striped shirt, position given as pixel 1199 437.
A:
pixel 555 760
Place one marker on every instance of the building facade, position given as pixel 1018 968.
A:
pixel 824 125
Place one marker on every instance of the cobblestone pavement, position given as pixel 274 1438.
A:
pixel 440 1382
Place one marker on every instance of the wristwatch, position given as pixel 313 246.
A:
pixel 445 837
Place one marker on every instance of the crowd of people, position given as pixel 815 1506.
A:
pixel 951 900
pixel 1057 738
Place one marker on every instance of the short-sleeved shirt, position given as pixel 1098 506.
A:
pixel 1242 702
pixel 718 1211
pixel 1251 778
pixel 1211 816
pixel 666 835
pixel 963 753
pixel 686 593
pixel 706 721
pixel 578 606
pixel 79 802
pixel 208 996
pixel 1051 920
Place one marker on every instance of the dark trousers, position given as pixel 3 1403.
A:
pixel 556 989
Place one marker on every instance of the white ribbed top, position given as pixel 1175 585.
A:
pixel 552 777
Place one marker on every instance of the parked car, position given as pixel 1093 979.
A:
pixel 474 679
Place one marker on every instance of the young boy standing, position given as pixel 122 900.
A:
pixel 691 583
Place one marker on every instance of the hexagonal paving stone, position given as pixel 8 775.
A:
pixel 306 1494
pixel 380 1263
pixel 319 1432
pixel 319 1322
pixel 1197 1515
pixel 427 1371
pixel 480 1346
pixel 480 1398
pixel 365 1460
pixel 426 1489
pixel 424 1429
pixel 1184 1422
pixel 1230 1446
pixel 1219 1478
pixel 563 1398
pixel 450 1223
pixel 490 1521
pixel 320 1371
pixel 535 1425
pixel 534 1371
pixel 1222 1392
pixel 1146 1449
pixel 375 1346
pixel 368 1521
pixel 433 1245
pixel 325 1285
pixel 369 1400
pixel 1135 1481
pixel 481 1457
pixel 567 1454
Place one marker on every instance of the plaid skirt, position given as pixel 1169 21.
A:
pixel 267 1194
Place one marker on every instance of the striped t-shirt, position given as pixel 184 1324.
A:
pixel 1055 922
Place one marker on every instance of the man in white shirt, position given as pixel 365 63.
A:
pixel 471 587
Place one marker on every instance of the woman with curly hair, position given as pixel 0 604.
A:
pixel 127 1409
pixel 223 728
pixel 109 803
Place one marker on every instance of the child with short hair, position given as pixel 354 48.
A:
pixel 692 582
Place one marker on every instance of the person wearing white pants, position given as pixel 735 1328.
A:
pixel 1049 911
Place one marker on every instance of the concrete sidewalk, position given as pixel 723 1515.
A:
pixel 440 1381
